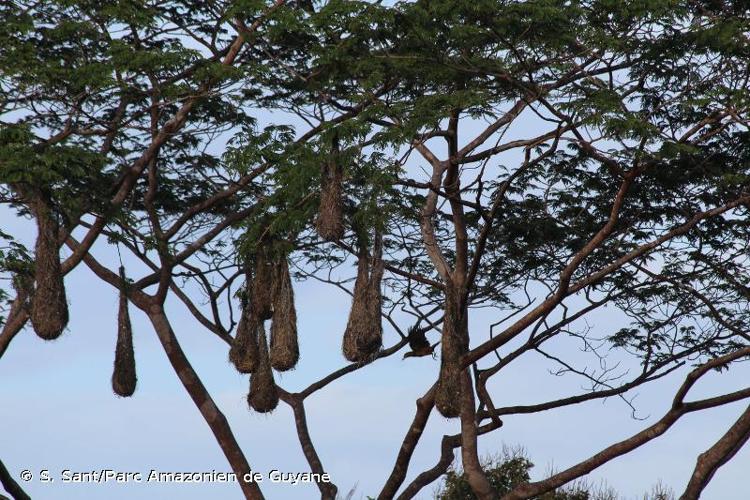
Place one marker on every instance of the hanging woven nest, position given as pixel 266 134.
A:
pixel 49 309
pixel 363 336
pixel 330 221
pixel 263 277
pixel 124 379
pixel 244 350
pixel 263 396
pixel 284 344
pixel 454 343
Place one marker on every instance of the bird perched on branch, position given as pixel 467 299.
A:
pixel 418 343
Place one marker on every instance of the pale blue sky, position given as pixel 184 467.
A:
pixel 58 410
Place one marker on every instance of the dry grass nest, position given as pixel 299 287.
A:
pixel 263 396
pixel 284 342
pixel 49 307
pixel 363 336
pixel 124 378
pixel 330 221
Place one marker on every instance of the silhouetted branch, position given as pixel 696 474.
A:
pixel 10 485
pixel 327 489
pixel 425 404
pixel 720 453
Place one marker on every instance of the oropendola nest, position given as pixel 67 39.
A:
pixel 284 344
pixel 124 378
pixel 263 396
pixel 49 308
pixel 454 343
pixel 330 221
pixel 263 278
pixel 363 336
pixel 243 352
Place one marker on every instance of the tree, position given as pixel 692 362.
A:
pixel 574 156
pixel 505 473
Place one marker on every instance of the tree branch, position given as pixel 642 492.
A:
pixel 425 404
pixel 10 485
pixel 717 455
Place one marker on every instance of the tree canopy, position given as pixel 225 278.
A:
pixel 543 160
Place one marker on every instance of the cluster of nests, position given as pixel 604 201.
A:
pixel 45 296
pixel 268 296
pixel 270 287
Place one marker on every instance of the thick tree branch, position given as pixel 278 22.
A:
pixel 327 489
pixel 10 485
pixel 425 404
pixel 447 445
pixel 550 303
pixel 679 408
pixel 203 401
pixel 17 317
pixel 717 455
pixel 469 453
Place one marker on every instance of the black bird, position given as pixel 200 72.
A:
pixel 418 343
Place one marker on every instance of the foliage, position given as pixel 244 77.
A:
pixel 539 159
pixel 511 468
pixel 505 472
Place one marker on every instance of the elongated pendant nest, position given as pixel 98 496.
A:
pixel 330 221
pixel 262 285
pixel 244 350
pixel 243 353
pixel 284 342
pixel 263 396
pixel 363 336
pixel 49 307
pixel 124 378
